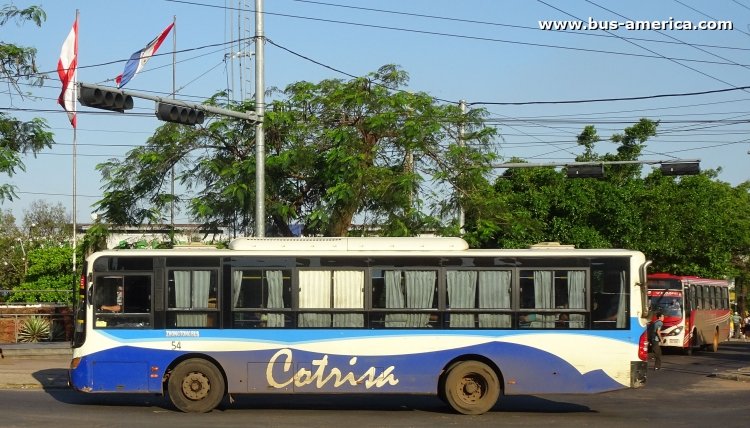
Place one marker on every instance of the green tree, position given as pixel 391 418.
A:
pixel 45 222
pixel 17 66
pixel 696 225
pixel 336 151
pixel 44 227
pixel 692 225
pixel 12 265
pixel 541 204
pixel 49 277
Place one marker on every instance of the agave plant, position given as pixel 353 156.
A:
pixel 34 329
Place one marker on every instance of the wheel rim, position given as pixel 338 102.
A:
pixel 472 388
pixel 196 386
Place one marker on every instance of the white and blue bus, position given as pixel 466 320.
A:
pixel 360 315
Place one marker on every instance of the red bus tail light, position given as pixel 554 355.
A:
pixel 643 347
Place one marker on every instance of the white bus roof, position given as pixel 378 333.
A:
pixel 386 246
pixel 349 244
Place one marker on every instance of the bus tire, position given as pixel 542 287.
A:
pixel 692 343
pixel 196 386
pixel 715 342
pixel 471 388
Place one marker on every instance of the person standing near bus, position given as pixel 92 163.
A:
pixel 737 325
pixel 657 339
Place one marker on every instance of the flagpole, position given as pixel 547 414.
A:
pixel 75 146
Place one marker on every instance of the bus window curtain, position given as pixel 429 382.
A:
pixel 275 280
pixel 236 287
pixel 622 306
pixel 192 296
pixel 576 297
pixel 348 292
pixel 420 292
pixel 462 288
pixel 494 293
pixel 394 298
pixel 182 289
pixel 544 296
pixel 314 293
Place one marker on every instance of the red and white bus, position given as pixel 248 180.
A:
pixel 696 310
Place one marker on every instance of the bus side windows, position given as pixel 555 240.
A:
pixel 261 298
pixel 122 301
pixel 331 298
pixel 192 297
pixel 396 289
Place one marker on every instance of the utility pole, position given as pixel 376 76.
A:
pixel 260 145
pixel 461 143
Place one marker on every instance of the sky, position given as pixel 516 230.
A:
pixel 540 87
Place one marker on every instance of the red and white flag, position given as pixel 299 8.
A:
pixel 67 69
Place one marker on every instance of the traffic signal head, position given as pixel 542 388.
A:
pixel 680 168
pixel 179 114
pixel 585 171
pixel 105 98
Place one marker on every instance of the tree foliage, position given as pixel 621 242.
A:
pixel 692 225
pixel 17 64
pixel 49 278
pixel 34 267
pixel 336 151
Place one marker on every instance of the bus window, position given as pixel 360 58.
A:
pixel 193 298
pixel 331 289
pixel 609 298
pixel 552 289
pixel 256 292
pixel 399 289
pixel 482 289
pixel 122 301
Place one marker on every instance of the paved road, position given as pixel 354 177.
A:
pixel 697 390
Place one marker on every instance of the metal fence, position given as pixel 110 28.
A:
pixel 12 320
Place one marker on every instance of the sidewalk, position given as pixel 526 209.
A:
pixel 34 365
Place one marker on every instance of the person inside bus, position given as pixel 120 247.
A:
pixel 676 309
pixel 117 307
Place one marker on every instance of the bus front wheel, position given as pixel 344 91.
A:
pixel 196 386
pixel 471 388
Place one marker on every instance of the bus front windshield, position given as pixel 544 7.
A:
pixel 670 306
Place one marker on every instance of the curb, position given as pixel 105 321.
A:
pixel 38 351
pixel 741 375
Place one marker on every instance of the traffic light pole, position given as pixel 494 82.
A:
pixel 171 101
pixel 535 165
pixel 596 169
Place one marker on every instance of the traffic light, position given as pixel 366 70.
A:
pixel 680 168
pixel 104 98
pixel 179 114
pixel 585 171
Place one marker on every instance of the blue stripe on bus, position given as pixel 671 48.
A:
pixel 529 370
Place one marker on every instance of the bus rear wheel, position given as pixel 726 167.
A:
pixel 196 386
pixel 471 388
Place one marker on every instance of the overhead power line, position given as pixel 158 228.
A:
pixel 599 100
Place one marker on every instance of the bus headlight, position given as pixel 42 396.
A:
pixel 677 330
